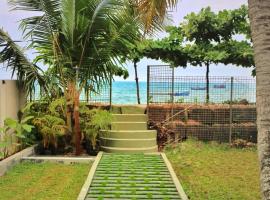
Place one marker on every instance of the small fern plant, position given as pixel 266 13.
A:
pixel 51 124
pixel 51 128
pixel 92 121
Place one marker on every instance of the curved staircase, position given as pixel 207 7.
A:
pixel 129 134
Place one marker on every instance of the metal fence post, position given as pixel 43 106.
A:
pixel 110 91
pixel 172 92
pixel 148 87
pixel 231 112
pixel 172 102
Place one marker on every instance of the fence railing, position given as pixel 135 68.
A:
pixel 223 110
pixel 164 86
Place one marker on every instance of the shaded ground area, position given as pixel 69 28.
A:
pixel 43 181
pixel 216 172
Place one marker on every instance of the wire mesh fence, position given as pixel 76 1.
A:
pixel 97 95
pixel 222 110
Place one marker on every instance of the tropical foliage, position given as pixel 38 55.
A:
pixel 82 37
pixel 92 121
pixel 206 38
pixel 88 34
pixel 16 134
pixel 5 143
pixel 51 128
pixel 50 122
pixel 14 59
pixel 153 12
pixel 197 41
pixel 55 130
pixel 20 128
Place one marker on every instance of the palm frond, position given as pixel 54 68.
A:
pixel 88 33
pixel 14 59
pixel 153 12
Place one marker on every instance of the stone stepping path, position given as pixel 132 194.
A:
pixel 132 176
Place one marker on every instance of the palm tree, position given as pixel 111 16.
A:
pixel 27 73
pixel 82 37
pixel 153 12
pixel 85 37
pixel 260 31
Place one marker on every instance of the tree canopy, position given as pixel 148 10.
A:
pixel 205 37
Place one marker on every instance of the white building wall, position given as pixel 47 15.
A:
pixel 11 99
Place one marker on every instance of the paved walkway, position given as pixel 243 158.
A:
pixel 128 172
pixel 133 176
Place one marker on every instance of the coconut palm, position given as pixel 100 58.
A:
pixel 153 12
pixel 83 35
pixel 14 59
pixel 260 31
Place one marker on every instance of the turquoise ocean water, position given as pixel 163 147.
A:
pixel 124 92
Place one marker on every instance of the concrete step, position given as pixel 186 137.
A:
pixel 130 118
pixel 129 126
pixel 133 109
pixel 129 150
pixel 127 134
pixel 127 143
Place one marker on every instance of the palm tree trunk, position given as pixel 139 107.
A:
pixel 69 105
pixel 259 13
pixel 137 82
pixel 207 82
pixel 76 116
pixel 73 101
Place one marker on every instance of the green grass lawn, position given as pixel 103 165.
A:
pixel 44 181
pixel 216 172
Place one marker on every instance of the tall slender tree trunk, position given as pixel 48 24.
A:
pixel 76 116
pixel 207 82
pixel 137 82
pixel 259 13
pixel 73 118
pixel 68 93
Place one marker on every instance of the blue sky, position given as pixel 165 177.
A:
pixel 9 21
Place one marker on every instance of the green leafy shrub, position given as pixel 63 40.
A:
pixel 54 128
pixel 20 128
pixel 50 121
pixel 5 142
pixel 14 132
pixel 92 121
pixel 51 128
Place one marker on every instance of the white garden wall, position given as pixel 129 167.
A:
pixel 11 99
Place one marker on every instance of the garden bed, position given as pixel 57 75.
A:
pixel 43 181
pixel 14 159
pixel 210 171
